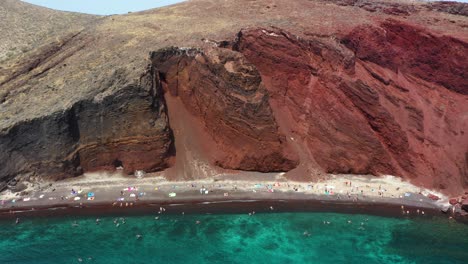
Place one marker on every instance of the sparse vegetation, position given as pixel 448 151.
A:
pixel 30 26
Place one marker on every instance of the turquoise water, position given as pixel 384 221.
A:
pixel 262 238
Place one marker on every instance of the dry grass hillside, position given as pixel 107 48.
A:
pixel 25 26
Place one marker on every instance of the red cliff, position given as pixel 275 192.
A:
pixel 302 87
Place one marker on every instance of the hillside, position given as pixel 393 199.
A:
pixel 208 86
pixel 25 26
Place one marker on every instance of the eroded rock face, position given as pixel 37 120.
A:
pixel 375 108
pixel 127 128
pixel 225 91
pixel 43 145
pixel 402 47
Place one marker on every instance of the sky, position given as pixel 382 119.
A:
pixel 102 7
pixel 108 7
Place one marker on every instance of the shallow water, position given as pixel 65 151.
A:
pixel 233 238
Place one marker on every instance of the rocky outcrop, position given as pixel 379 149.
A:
pixel 409 49
pixel 44 146
pixel 373 108
pixel 222 89
pixel 127 127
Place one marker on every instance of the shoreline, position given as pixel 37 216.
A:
pixel 117 195
pixel 236 204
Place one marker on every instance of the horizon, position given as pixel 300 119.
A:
pixel 114 7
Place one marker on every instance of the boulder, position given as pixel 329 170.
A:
pixel 453 201
pixel 433 197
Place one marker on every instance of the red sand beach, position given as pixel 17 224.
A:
pixel 102 194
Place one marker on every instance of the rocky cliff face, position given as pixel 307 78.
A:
pixel 369 104
pixel 225 91
pixel 128 128
pixel 283 88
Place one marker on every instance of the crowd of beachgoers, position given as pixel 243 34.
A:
pixel 124 191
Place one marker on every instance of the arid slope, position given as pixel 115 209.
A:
pixel 25 26
pixel 308 87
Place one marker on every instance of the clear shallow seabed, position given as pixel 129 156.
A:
pixel 234 238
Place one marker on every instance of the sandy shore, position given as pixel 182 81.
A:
pixel 105 193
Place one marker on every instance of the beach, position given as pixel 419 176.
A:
pixel 114 193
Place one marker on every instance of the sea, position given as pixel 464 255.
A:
pixel 234 238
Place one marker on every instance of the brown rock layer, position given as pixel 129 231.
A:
pixel 128 129
pixel 226 92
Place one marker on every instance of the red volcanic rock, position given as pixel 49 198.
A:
pixel 226 93
pixel 378 108
pixel 406 48
pixel 433 197
pixel 453 201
